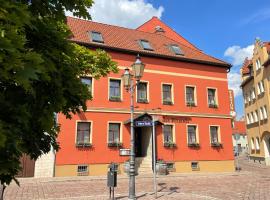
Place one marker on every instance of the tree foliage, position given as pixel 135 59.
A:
pixel 39 76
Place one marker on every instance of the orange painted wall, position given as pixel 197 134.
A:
pixel 101 153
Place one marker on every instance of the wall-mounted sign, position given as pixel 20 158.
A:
pixel 176 119
pixel 143 123
pixel 231 98
pixel 124 152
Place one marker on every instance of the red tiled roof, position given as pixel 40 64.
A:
pixel 239 128
pixel 150 26
pixel 267 45
pixel 124 39
pixel 246 65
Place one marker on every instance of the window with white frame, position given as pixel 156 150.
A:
pixel 212 99
pixel 265 112
pixel 253 95
pixel 214 134
pixel 142 95
pixel 256 118
pixel 252 143
pixel 190 95
pixel 258 88
pixel 168 134
pixel 257 143
pixel 192 134
pixel 83 133
pixel 261 113
pixel 246 98
pixel 88 82
pixel 258 64
pixel 167 94
pixel 247 116
pixel 251 118
pixel 114 133
pixel 115 90
pixel 249 97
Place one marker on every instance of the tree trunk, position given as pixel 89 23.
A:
pixel 2 189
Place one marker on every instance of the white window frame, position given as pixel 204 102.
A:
pixel 265 112
pixel 195 94
pixel 258 88
pixel 173 132
pixel 218 132
pixel 253 94
pixel 261 86
pixel 147 91
pixel 261 113
pixel 197 132
pixel 216 95
pixel 257 143
pixel 172 91
pixel 247 116
pixel 91 130
pixel 121 130
pixel 256 119
pixel 252 141
pixel 121 87
pixel 92 86
pixel 251 118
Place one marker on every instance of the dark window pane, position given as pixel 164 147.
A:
pixel 115 88
pixel 176 49
pixel 190 95
pixel 192 134
pixel 142 91
pixel 214 134
pixel 83 132
pixel 211 96
pixel 96 37
pixel 88 82
pixel 167 132
pixel 167 93
pixel 146 45
pixel 114 132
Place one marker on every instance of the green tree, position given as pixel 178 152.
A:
pixel 39 76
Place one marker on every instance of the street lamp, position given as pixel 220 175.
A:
pixel 138 68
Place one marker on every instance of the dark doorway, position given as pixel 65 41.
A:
pixel 138 142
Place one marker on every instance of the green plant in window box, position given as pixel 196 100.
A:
pixel 191 103
pixel 216 144
pixel 213 105
pixel 115 144
pixel 142 101
pixel 169 144
pixel 167 102
pixel 193 144
pixel 83 144
pixel 115 98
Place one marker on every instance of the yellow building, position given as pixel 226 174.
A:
pixel 256 90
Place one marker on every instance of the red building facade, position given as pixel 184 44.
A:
pixel 182 87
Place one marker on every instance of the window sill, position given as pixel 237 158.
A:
pixel 85 145
pixel 212 105
pixel 195 145
pixel 115 144
pixel 115 99
pixel 169 145
pixel 190 104
pixel 142 101
pixel 167 103
pixel 216 144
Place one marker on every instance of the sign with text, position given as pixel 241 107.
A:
pixel 176 119
pixel 124 152
pixel 143 123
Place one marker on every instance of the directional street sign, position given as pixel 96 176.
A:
pixel 143 123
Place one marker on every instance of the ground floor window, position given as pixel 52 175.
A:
pixel 114 134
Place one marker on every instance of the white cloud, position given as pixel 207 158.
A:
pixel 258 16
pixel 234 83
pixel 237 54
pixel 127 13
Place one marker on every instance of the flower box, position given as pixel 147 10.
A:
pixel 115 98
pixel 216 144
pixel 169 144
pixel 115 144
pixel 193 144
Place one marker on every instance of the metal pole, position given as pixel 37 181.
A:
pixel 131 194
pixel 154 155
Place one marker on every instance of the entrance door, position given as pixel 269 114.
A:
pixel 138 142
pixel 28 167
pixel 143 143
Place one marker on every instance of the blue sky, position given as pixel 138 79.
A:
pixel 225 29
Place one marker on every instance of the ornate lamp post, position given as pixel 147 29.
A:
pixel 137 68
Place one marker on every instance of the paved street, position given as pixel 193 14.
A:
pixel 253 182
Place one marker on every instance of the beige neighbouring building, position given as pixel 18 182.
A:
pixel 256 90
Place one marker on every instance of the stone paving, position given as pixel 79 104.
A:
pixel 251 183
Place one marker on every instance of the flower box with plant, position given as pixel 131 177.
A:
pixel 213 105
pixel 216 144
pixel 169 144
pixel 142 101
pixel 167 102
pixel 115 144
pixel 193 144
pixel 191 103
pixel 83 144
pixel 115 98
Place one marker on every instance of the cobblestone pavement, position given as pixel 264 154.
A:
pixel 251 183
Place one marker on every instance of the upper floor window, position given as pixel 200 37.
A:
pixel 114 134
pixel 248 120
pixel 168 135
pixel 261 113
pixel 115 90
pixel 167 94
pixel 251 117
pixel 214 134
pixel 253 94
pixel 146 45
pixel 258 64
pixel 192 135
pixel 88 82
pixel 256 118
pixel 190 96
pixel 176 49
pixel 257 143
pixel 265 112
pixel 142 96
pixel 212 99
pixel 83 133
pixel 252 143
pixel 97 37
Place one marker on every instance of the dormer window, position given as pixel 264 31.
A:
pixel 176 49
pixel 146 45
pixel 96 37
